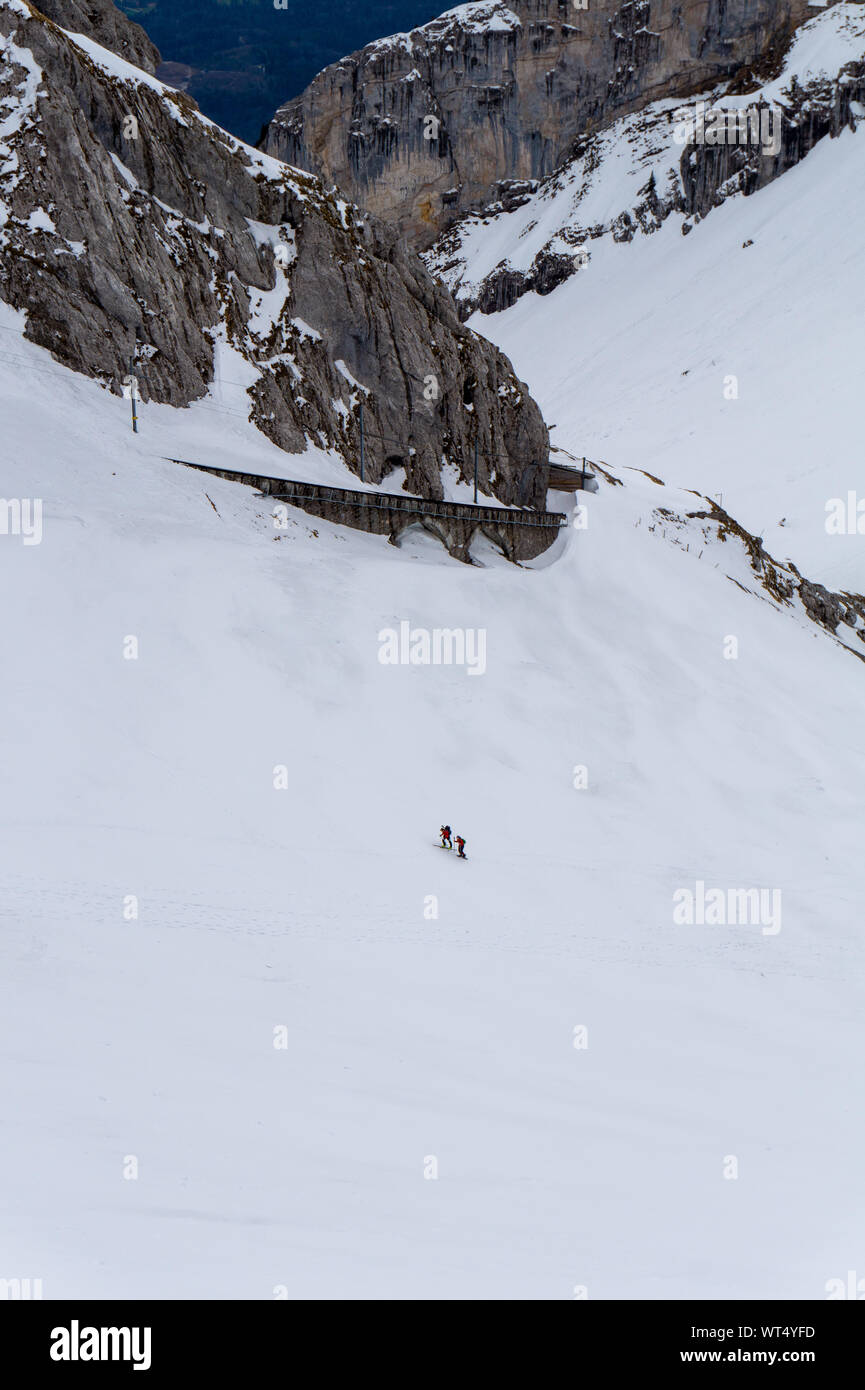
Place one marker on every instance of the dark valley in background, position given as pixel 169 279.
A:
pixel 241 59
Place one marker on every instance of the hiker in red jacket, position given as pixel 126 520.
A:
pixel 445 832
pixel 461 844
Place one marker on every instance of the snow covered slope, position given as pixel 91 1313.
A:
pixel 261 1040
pixel 728 360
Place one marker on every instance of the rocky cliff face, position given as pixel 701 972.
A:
pixel 101 21
pixel 130 226
pixel 422 127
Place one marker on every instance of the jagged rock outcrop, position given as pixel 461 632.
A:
pixel 841 614
pixel 130 226
pixel 421 127
pixel 810 112
pixel 103 22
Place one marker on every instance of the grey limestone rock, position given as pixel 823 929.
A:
pixel 422 127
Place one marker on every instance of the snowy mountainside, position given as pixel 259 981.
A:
pixel 644 167
pixel 261 1035
pixel 728 360
pixel 265 1033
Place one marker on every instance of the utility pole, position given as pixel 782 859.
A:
pixel 476 469
pixel 361 441
pixel 133 393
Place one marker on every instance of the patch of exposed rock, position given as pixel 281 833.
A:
pixel 841 614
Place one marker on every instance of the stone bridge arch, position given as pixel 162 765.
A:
pixel 430 525
pixel 520 534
